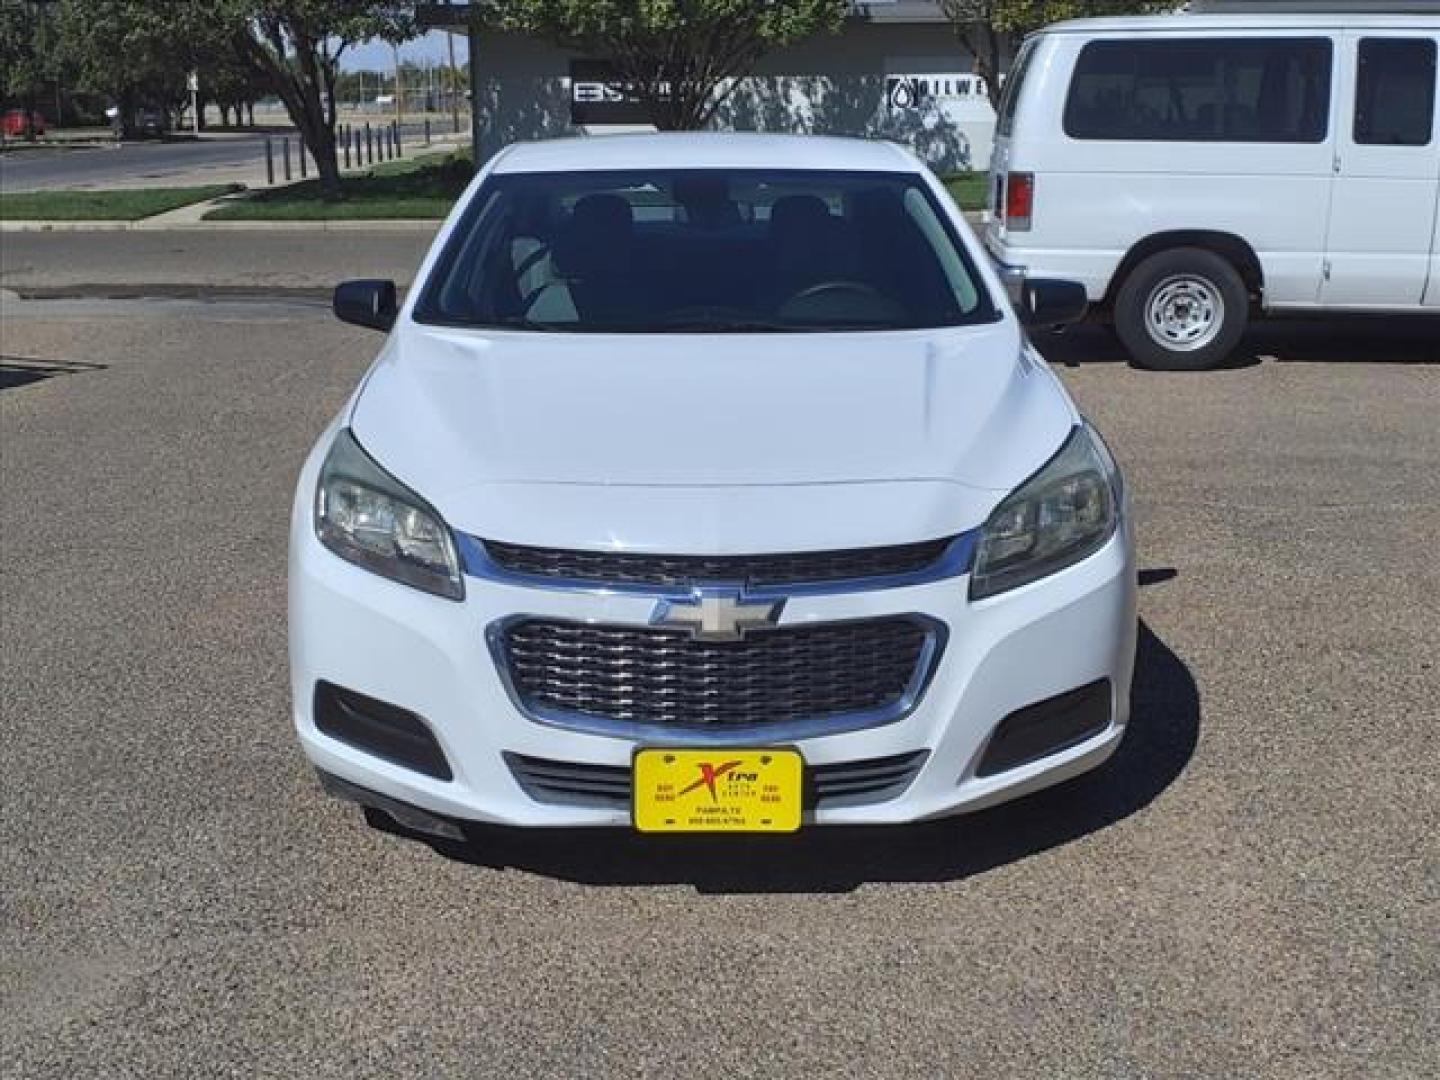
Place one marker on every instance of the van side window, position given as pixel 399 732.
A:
pixel 1395 92
pixel 1202 90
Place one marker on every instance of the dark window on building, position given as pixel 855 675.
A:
pixel 1202 90
pixel 1395 92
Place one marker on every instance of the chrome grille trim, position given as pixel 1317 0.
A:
pixel 720 733
pixel 678 575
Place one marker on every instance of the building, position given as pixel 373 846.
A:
pixel 896 71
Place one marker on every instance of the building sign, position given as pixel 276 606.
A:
pixel 598 96
pixel 913 91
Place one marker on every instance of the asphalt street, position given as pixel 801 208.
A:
pixel 1250 888
pixel 148 163
pixel 127 163
pixel 166 261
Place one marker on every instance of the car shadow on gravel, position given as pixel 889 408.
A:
pixel 1164 729
pixel 17 371
pixel 1368 339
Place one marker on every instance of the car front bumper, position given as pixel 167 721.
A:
pixel 427 655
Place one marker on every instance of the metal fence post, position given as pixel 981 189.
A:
pixel 269 162
pixel 398 148
pixel 285 144
pixel 369 146
pixel 345 142
pixel 300 153
pixel 427 131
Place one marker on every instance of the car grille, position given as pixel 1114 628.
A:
pixel 660 676
pixel 851 783
pixel 755 571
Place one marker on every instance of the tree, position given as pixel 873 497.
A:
pixel 681 58
pixel 131 52
pixel 24 33
pixel 993 29
pixel 230 83
pixel 296 47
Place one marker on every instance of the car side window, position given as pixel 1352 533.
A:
pixel 1395 92
pixel 1202 90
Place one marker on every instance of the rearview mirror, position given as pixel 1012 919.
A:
pixel 368 302
pixel 1048 302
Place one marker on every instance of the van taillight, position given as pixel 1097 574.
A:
pixel 1019 200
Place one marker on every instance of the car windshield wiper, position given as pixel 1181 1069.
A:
pixel 519 322
pixel 721 325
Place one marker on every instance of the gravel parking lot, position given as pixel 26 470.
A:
pixel 1250 888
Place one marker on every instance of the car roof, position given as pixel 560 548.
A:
pixel 1244 21
pixel 705 150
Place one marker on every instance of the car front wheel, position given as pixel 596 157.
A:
pixel 1182 310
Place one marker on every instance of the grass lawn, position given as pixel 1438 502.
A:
pixel 423 187
pixel 970 189
pixel 103 205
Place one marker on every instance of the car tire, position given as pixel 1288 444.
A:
pixel 1182 310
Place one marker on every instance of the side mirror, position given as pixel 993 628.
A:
pixel 1047 302
pixel 368 302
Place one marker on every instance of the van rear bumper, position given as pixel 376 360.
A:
pixel 1015 266
pixel 1011 276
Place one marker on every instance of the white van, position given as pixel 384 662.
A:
pixel 1190 169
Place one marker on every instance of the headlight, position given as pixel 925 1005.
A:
pixel 366 516
pixel 1063 513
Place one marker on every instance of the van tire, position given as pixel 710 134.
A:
pixel 1184 309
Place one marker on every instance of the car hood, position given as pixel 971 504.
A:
pixel 733 442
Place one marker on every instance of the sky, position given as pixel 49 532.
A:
pixel 377 55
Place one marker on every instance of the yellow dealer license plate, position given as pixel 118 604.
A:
pixel 725 790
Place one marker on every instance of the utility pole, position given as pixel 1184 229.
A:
pixel 399 89
pixel 452 77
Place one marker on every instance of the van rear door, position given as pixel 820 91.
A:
pixel 1002 151
pixel 1432 290
pixel 1379 246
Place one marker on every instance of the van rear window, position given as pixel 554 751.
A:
pixel 1010 91
pixel 1244 90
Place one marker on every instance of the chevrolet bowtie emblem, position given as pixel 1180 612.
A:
pixel 717 615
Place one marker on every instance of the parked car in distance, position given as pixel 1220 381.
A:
pixel 13 125
pixel 151 123
pixel 1191 169
pixel 707 483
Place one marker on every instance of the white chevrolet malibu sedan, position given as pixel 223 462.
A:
pixel 707 483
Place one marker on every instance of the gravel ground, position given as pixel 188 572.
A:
pixel 1250 888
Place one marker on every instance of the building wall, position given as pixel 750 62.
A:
pixel 837 84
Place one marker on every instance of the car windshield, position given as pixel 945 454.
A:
pixel 710 251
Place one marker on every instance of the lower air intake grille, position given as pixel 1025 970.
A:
pixel 850 783
pixel 652 675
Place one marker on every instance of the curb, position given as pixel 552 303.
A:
pixel 143 225
pixel 11 225
pixel 344 225
pixel 191 218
